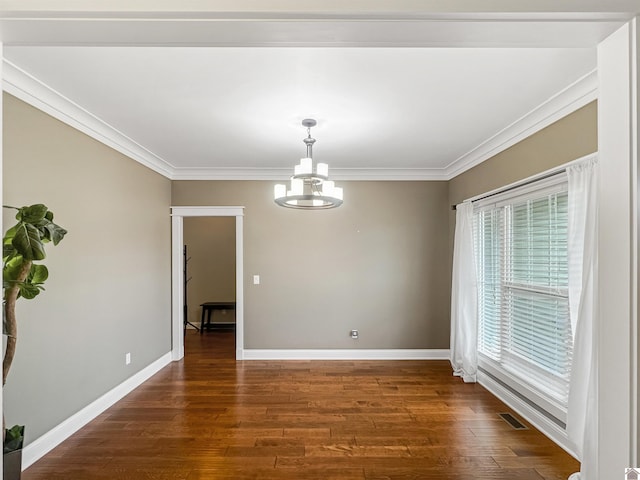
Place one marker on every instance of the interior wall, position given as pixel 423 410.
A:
pixel 109 291
pixel 211 247
pixel 377 264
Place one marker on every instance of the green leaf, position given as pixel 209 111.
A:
pixel 33 214
pixel 8 252
pixel 9 234
pixel 17 431
pixel 29 291
pixel 11 269
pixel 38 274
pixel 13 438
pixel 56 232
pixel 49 215
pixel 28 243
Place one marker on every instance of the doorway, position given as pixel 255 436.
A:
pixel 178 214
pixel 210 288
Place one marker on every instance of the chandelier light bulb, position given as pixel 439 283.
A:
pixel 280 191
pixel 322 169
pixel 328 187
pixel 306 166
pixel 297 186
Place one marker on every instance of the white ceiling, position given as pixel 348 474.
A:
pixel 195 107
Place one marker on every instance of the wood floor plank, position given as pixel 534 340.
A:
pixel 210 417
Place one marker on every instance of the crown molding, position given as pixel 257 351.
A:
pixel 281 174
pixel 29 89
pixel 577 95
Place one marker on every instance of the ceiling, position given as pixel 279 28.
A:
pixel 397 96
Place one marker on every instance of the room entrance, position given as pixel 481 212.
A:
pixel 210 277
pixel 210 240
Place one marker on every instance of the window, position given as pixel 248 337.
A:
pixel 524 336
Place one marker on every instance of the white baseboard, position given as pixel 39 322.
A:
pixel 530 414
pixel 346 354
pixel 45 443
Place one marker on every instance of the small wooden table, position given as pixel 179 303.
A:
pixel 209 307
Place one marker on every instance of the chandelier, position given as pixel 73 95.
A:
pixel 310 189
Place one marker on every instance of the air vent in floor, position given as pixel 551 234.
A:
pixel 513 421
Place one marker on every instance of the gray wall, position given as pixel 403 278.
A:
pixel 378 264
pixel 211 246
pixel 109 289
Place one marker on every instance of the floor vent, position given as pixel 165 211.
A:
pixel 513 421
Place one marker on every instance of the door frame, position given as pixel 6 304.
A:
pixel 177 288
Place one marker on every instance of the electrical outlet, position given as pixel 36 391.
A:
pixel 354 334
pixel 127 359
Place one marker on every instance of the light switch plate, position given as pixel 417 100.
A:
pixel 256 279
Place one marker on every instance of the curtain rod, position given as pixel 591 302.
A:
pixel 521 183
pixel 512 187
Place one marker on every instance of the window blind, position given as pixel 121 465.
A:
pixel 524 326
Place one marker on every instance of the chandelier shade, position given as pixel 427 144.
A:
pixel 310 187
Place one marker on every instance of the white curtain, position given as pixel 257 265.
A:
pixel 582 425
pixel 464 298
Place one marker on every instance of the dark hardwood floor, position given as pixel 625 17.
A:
pixel 210 417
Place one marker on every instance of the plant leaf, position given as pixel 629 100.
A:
pixel 9 234
pixel 29 291
pixel 28 243
pixel 56 232
pixel 11 269
pixel 8 252
pixel 38 274
pixel 13 438
pixel 17 431
pixel 33 214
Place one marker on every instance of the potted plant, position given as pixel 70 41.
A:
pixel 12 452
pixel 23 246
